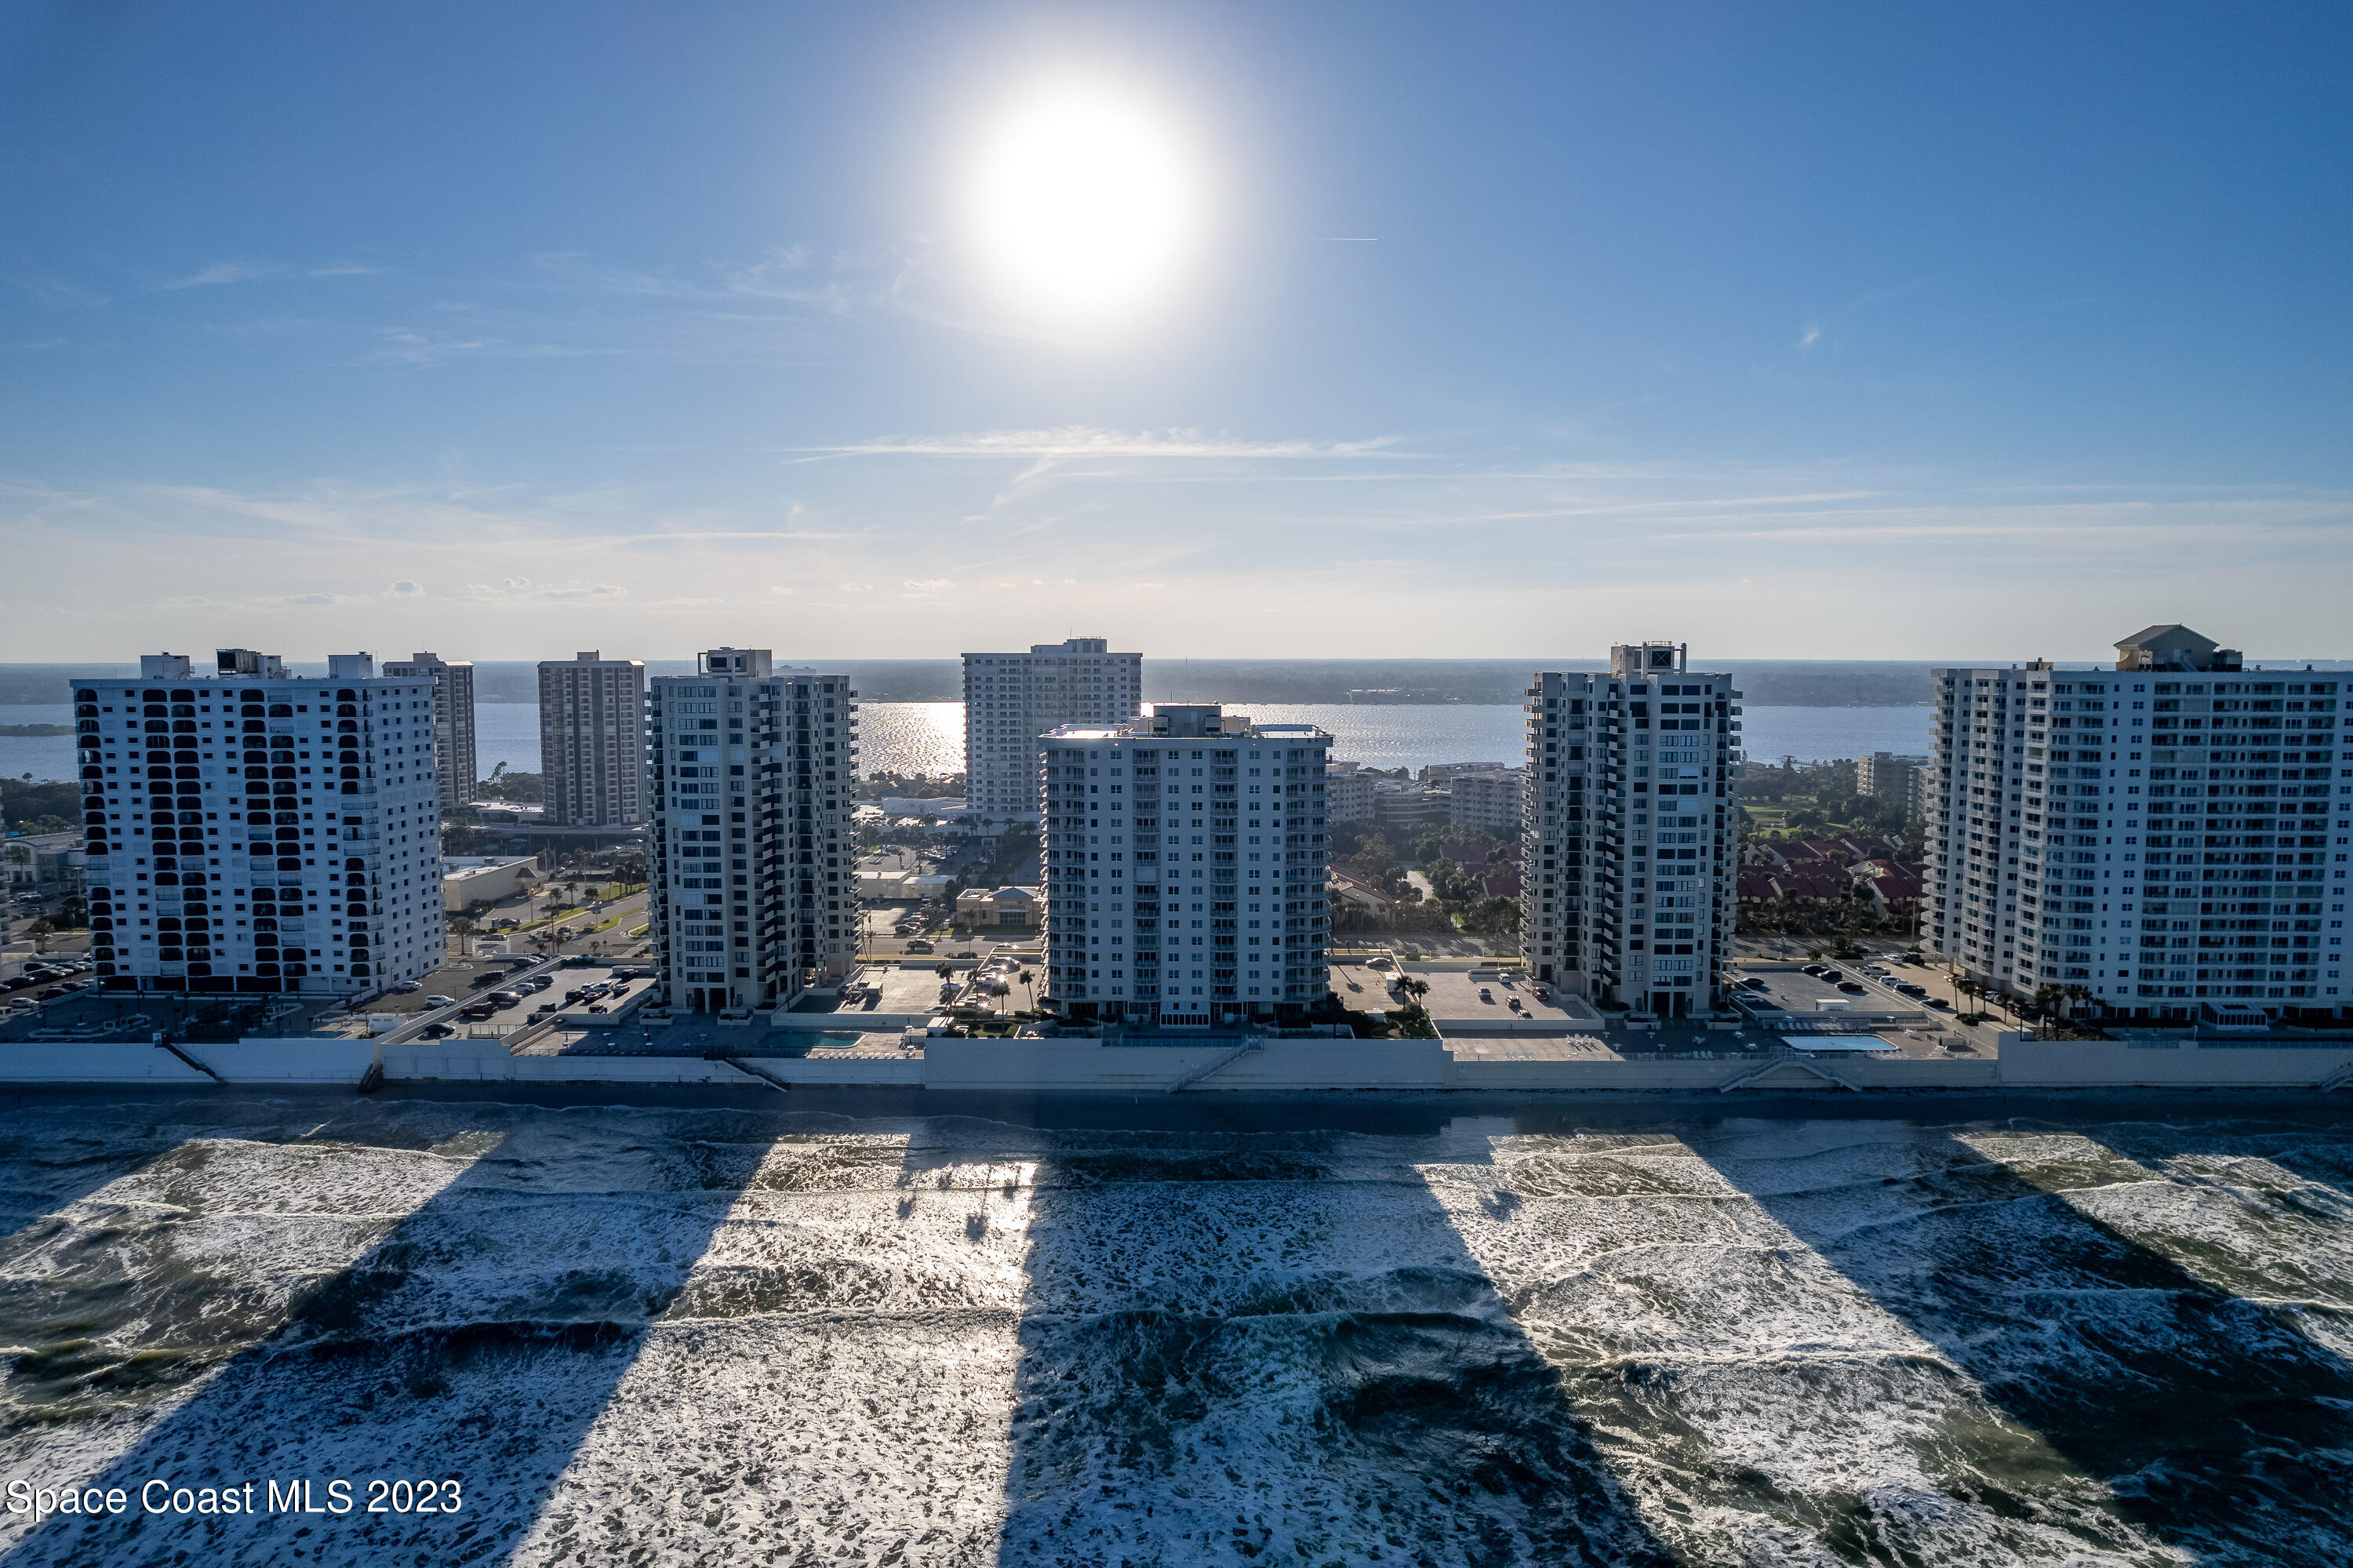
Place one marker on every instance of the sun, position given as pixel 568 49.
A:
pixel 1086 202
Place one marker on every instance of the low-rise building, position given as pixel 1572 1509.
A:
pixel 469 880
pixel 1898 780
pixel 1491 797
pixel 1410 806
pixel 998 909
pixel 46 863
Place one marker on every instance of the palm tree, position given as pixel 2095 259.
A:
pixel 2076 994
pixel 463 927
pixel 1029 983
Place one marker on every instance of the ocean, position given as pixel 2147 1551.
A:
pixel 928 737
pixel 1202 1332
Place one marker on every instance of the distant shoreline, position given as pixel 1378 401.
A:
pixel 1363 682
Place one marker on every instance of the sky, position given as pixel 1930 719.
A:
pixel 1870 331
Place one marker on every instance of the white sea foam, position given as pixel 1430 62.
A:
pixel 688 1336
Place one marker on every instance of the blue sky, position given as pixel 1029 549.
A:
pixel 1865 331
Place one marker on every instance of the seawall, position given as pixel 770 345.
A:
pixel 1232 1065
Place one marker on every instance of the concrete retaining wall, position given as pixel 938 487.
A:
pixel 2099 1064
pixel 1089 1066
pixel 903 1071
pixel 487 1061
pixel 297 1061
pixel 1832 1075
pixel 112 1061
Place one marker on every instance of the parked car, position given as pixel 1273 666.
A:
pixel 1833 976
pixel 407 987
pixel 919 946
pixel 475 1013
pixel 1813 969
pixel 436 1031
pixel 1850 988
pixel 75 985
pixel 437 999
pixel 1756 982
pixel 539 983
pixel 1940 1004
pixel 1908 987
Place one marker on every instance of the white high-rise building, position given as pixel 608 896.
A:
pixel 2161 834
pixel 1011 699
pixel 1350 792
pixel 1186 857
pixel 1632 836
pixel 592 741
pixel 255 832
pixel 453 721
pixel 753 772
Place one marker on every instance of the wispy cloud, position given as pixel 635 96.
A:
pixel 1810 336
pixel 220 272
pixel 53 290
pixel 525 591
pixel 344 269
pixel 1080 440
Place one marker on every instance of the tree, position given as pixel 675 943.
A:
pixel 1029 983
pixel 2078 994
pixel 463 927
pixel 1971 987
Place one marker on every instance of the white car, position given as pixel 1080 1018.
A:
pixel 405 987
pixel 439 1000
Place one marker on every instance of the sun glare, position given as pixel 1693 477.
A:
pixel 1086 202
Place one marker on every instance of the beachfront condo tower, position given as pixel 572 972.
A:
pixel 2161 834
pixel 751 772
pixel 251 831
pixel 1633 831
pixel 1187 858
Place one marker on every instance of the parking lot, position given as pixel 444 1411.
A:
pixel 1800 993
